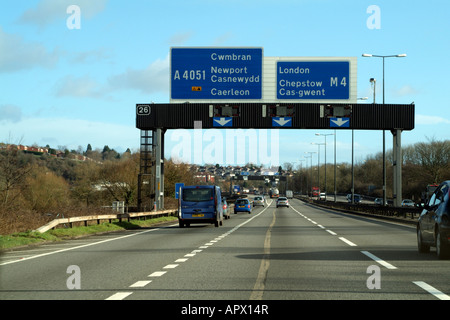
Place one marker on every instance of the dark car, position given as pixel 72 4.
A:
pixel 433 227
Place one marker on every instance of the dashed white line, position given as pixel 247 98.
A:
pixel 171 266
pixel 347 242
pixel 435 292
pixel 331 232
pixel 190 255
pixel 157 273
pixel 119 296
pixel 380 261
pixel 140 284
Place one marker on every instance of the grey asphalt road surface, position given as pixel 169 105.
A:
pixel 296 253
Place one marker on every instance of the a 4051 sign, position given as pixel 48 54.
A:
pixel 216 73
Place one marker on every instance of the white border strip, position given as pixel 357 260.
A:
pixel 435 292
pixel 380 261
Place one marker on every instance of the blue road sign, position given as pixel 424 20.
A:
pixel 222 122
pixel 339 122
pixel 313 80
pixel 177 189
pixel 216 73
pixel 281 122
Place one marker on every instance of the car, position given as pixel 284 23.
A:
pixel 242 205
pixel 258 201
pixel 379 201
pixel 408 203
pixel 200 204
pixel 356 198
pixel 226 212
pixel 322 196
pixel 433 226
pixel 282 202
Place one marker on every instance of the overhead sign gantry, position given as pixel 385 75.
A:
pixel 226 88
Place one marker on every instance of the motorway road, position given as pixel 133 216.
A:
pixel 301 252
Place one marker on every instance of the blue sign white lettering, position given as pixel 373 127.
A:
pixel 313 80
pixel 177 189
pixel 216 73
pixel 281 122
pixel 339 122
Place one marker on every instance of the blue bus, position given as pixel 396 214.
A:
pixel 200 204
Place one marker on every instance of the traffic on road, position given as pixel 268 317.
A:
pixel 273 253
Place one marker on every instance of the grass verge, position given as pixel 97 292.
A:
pixel 30 237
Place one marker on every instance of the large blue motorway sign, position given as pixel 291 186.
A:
pixel 216 73
pixel 313 80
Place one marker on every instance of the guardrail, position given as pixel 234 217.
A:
pixel 120 216
pixel 404 214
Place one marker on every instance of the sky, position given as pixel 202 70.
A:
pixel 72 75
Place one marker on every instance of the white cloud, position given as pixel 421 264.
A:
pixel 72 133
pixel 430 120
pixel 16 54
pixel 180 38
pixel 47 11
pixel 9 112
pixel 83 87
pixel 154 78
pixel 406 90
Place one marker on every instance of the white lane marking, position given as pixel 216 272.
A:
pixel 157 273
pixel 435 292
pixel 331 232
pixel 77 247
pixel 140 284
pixel 347 242
pixel 181 260
pixel 119 296
pixel 171 266
pixel 190 255
pixel 380 261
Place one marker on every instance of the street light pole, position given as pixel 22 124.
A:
pixel 384 136
pixel 325 135
pixel 311 153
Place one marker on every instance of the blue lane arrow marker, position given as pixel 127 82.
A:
pixel 223 122
pixel 281 122
pixel 339 122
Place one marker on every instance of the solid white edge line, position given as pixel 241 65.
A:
pixel 435 292
pixel 77 247
pixel 380 261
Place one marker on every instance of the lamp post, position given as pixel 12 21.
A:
pixel 301 176
pixel 368 55
pixel 325 135
pixel 310 156
pixel 318 161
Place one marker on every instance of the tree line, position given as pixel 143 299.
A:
pixel 38 188
pixel 424 163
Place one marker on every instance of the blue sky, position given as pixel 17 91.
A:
pixel 70 87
